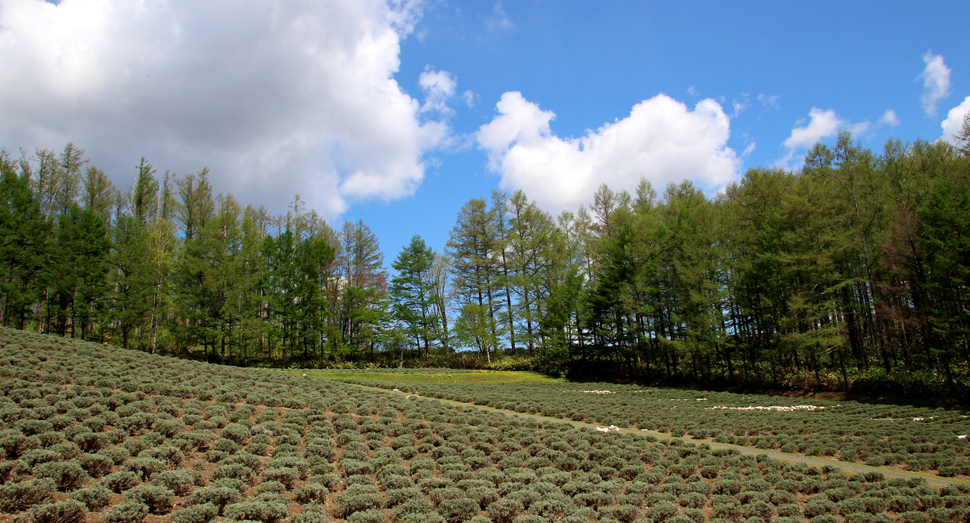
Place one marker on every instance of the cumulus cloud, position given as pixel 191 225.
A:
pixel 821 125
pixel 889 118
pixel 936 82
pixel 661 140
pixel 954 121
pixel 276 98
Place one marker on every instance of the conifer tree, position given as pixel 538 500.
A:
pixel 413 293
pixel 23 245
pixel 364 285
pixel 473 245
pixel 77 271
pixel 131 304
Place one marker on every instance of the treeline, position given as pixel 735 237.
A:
pixel 169 266
pixel 852 269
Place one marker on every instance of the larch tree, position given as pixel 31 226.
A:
pixel 364 284
pixel 473 245
pixel 23 245
pixel 413 293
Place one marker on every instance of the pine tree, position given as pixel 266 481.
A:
pixel 131 303
pixel 77 270
pixel 535 258
pixel 195 207
pixel 946 237
pixel 23 245
pixel 413 293
pixel 98 194
pixel 364 285
pixel 473 246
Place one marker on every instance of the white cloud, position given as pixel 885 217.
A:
pixel 275 98
pixel 821 124
pixel 662 140
pixel 498 20
pixel 889 118
pixel 769 102
pixel 859 128
pixel 439 87
pixel 740 106
pixel 936 82
pixel 691 90
pixel 954 120
pixel 748 150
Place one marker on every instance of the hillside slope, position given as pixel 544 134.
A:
pixel 98 434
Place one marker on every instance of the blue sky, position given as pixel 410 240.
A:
pixel 590 63
pixel 389 113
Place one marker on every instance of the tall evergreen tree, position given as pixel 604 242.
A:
pixel 364 285
pixel 413 293
pixel 23 245
pixel 77 271
pixel 98 194
pixel 473 246
pixel 946 236
pixel 195 207
pixel 131 304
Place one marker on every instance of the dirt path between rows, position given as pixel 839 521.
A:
pixel 851 468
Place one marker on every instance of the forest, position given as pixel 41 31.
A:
pixel 851 271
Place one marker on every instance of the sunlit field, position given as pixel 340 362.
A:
pixel 435 376
pixel 94 433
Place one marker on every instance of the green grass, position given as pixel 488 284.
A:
pixel 477 377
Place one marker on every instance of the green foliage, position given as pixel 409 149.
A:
pixel 236 432
pixel 144 467
pixel 13 442
pixel 22 253
pixel 416 295
pixel 95 497
pixel 309 516
pixel 420 517
pixel 852 262
pixel 311 493
pixel 67 476
pixel 127 512
pixel 20 496
pixel 202 513
pixel 157 498
pixel 367 516
pixel 180 482
pixel 219 496
pixel 504 510
pixel 96 465
pixel 265 511
pixel 234 471
pixel 287 476
pixel 356 498
pixel 68 511
pixel 120 481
